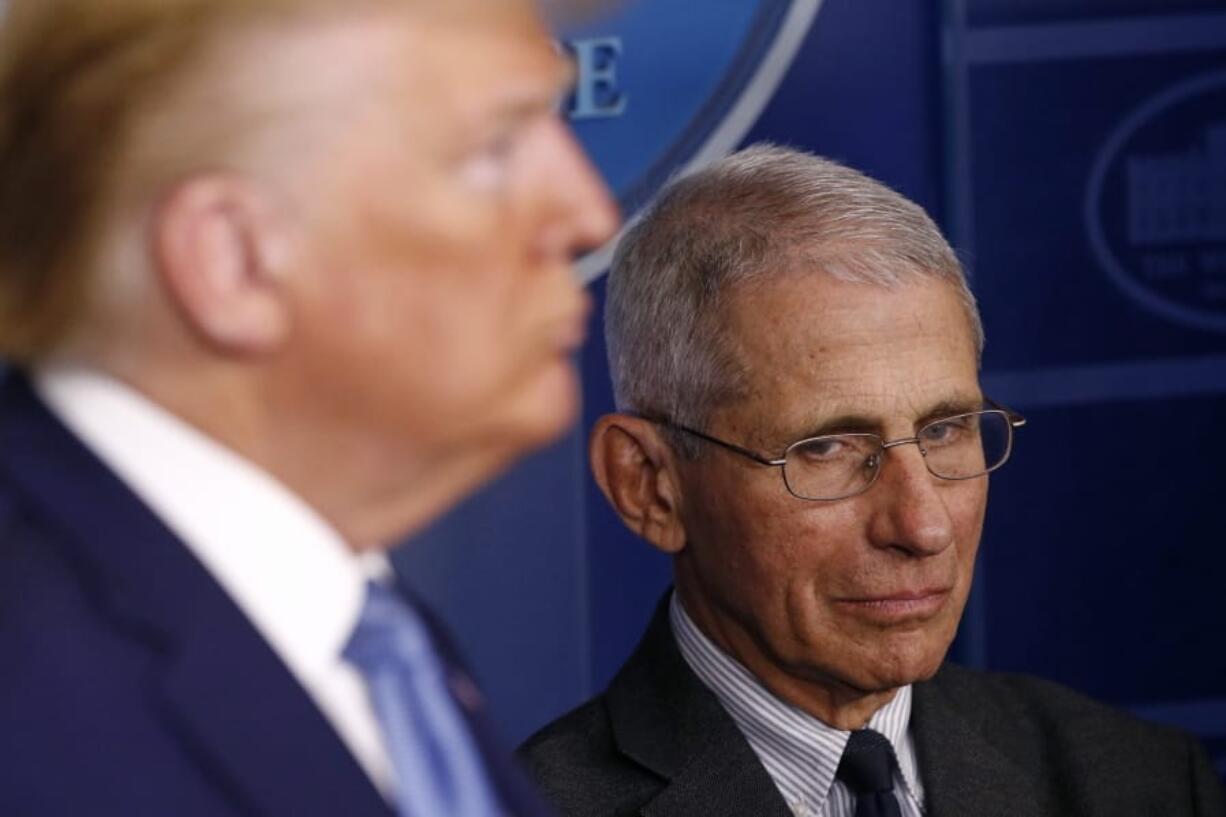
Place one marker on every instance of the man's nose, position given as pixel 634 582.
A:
pixel 909 512
pixel 584 214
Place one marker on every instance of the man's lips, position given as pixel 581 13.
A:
pixel 898 606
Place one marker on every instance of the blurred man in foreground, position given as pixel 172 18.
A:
pixel 280 281
pixel 795 356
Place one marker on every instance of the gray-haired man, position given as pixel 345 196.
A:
pixel 795 354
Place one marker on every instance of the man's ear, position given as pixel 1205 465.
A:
pixel 633 465
pixel 220 249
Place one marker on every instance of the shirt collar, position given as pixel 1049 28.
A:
pixel 800 752
pixel 286 568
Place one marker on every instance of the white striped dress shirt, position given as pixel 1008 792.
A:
pixel 800 753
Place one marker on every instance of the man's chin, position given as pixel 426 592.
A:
pixel 907 667
pixel 904 659
pixel 543 411
pixel 556 402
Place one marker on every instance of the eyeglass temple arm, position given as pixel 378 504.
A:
pixel 1016 420
pixel 744 452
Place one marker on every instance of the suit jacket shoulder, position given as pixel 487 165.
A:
pixel 578 766
pixel 1062 750
pixel 130 682
pixel 658 743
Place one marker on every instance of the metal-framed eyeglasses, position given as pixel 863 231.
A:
pixel 837 466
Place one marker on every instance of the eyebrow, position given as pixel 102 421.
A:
pixel 522 108
pixel 949 408
pixel 861 423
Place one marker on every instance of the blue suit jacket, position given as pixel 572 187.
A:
pixel 130 683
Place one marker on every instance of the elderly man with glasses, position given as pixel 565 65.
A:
pixel 795 355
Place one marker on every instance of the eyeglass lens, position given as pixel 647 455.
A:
pixel 841 465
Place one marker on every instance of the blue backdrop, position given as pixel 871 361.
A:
pixel 1077 160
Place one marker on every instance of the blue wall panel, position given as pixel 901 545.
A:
pixel 866 90
pixel 1101 567
pixel 1038 131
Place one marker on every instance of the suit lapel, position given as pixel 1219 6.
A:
pixel 724 778
pixel 234 707
pixel 246 720
pixel 964 774
pixel 666 720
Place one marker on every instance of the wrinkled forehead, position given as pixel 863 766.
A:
pixel 813 350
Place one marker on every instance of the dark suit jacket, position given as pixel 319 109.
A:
pixel 130 683
pixel 658 743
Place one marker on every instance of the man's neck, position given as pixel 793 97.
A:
pixel 373 496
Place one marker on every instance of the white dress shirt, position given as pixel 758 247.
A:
pixel 284 566
pixel 800 753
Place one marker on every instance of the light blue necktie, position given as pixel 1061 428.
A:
pixel 439 770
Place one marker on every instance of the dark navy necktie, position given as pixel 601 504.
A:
pixel 867 768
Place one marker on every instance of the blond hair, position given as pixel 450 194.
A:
pixel 76 76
